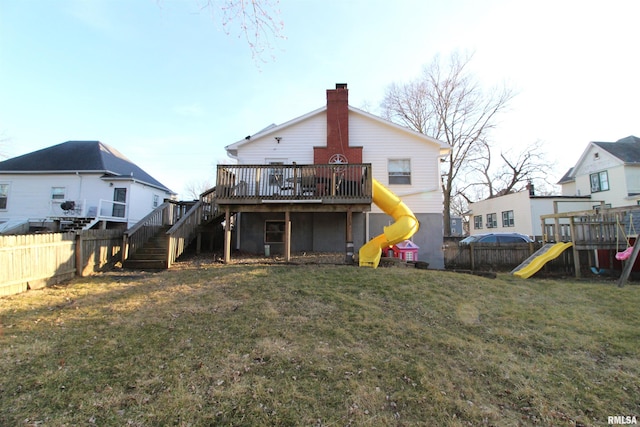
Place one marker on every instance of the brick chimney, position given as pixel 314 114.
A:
pixel 337 129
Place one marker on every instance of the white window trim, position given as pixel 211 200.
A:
pixel 399 174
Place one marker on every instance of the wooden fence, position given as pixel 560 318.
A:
pixel 33 261
pixel 487 256
pixel 498 257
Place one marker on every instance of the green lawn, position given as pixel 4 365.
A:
pixel 321 345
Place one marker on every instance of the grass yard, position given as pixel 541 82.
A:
pixel 319 345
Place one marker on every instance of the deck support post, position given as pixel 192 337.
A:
pixel 227 236
pixel 287 236
pixel 349 238
pixel 576 252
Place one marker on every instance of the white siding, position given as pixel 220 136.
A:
pixel 382 143
pixel 632 177
pixel 140 201
pixel 617 193
pixel 526 212
pixel 621 179
pixel 569 189
pixel 30 195
pixel 519 203
pixel 296 143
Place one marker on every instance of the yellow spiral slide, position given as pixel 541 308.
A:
pixel 406 225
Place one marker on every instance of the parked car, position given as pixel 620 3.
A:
pixel 496 238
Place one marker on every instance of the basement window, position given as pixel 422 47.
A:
pixel 274 231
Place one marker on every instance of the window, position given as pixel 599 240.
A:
pixel 399 171
pixel 4 195
pixel 507 219
pixel 599 181
pixel 57 193
pixel 492 220
pixel 477 222
pixel 276 174
pixel 119 202
pixel 274 231
pixel 156 201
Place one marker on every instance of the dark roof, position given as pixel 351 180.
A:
pixel 626 149
pixel 567 177
pixel 79 156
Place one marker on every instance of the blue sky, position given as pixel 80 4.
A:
pixel 160 80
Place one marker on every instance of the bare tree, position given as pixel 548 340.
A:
pixel 193 189
pixel 258 21
pixel 447 103
pixel 517 170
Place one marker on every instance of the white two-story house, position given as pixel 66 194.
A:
pixel 76 182
pixel 608 172
pixel 314 172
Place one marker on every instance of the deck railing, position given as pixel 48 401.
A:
pixel 326 183
pixel 209 205
pixel 101 209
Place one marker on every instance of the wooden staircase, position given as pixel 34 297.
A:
pixel 158 239
pixel 152 255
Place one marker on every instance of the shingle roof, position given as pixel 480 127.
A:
pixel 626 149
pixel 567 177
pixel 79 156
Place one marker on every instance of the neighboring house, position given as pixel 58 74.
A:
pixel 608 171
pixel 406 162
pixel 520 212
pixel 85 182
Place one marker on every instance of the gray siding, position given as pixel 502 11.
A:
pixel 428 238
pixel 326 232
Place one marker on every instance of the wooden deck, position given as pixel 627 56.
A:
pixel 294 188
pixel 256 188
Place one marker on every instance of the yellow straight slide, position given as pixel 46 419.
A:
pixel 551 252
pixel 405 226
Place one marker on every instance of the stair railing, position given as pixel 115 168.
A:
pixel 135 237
pixel 184 219
pixel 186 228
pixel 182 232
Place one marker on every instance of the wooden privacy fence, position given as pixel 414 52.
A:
pixel 33 261
pixel 487 256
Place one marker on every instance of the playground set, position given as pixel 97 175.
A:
pixel 603 238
